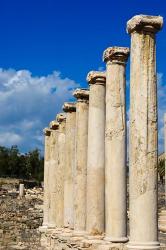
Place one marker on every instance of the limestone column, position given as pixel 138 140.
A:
pixel 115 145
pixel 53 164
pixel 61 119
pixel 21 190
pixel 80 173
pixel 143 146
pixel 95 163
pixel 47 133
pixel 165 151
pixel 70 110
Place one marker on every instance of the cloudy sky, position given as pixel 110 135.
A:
pixel 47 47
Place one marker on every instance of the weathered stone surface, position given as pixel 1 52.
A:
pixel 96 76
pixel 21 190
pixel 115 145
pixel 116 54
pixel 81 94
pixel 95 162
pixel 47 133
pixel 60 147
pixel 53 165
pixel 80 171
pixel 146 23
pixel 70 110
pixel 143 137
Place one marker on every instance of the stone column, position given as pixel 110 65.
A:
pixel 165 151
pixel 21 190
pixel 53 164
pixel 70 109
pixel 143 133
pixel 115 145
pixel 47 133
pixel 80 173
pixel 95 164
pixel 61 119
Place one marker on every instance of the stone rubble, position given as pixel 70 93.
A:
pixel 20 219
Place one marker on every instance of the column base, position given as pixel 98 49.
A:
pixel 94 237
pixel 43 228
pixel 155 245
pixel 116 239
pixel 79 233
pixel 51 226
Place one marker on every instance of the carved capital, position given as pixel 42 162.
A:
pixel 96 77
pixel 47 131
pixel 69 107
pixel 54 125
pixel 145 23
pixel 116 54
pixel 61 117
pixel 81 94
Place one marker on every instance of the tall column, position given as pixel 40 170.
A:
pixel 95 164
pixel 143 133
pixel 115 145
pixel 61 119
pixel 53 164
pixel 70 109
pixel 165 151
pixel 80 173
pixel 47 133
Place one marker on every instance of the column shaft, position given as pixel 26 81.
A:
pixel 115 145
pixel 46 176
pixel 53 188
pixel 95 164
pixel 60 172
pixel 80 173
pixel 69 167
pixel 143 133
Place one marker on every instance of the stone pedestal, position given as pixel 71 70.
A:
pixel 143 133
pixel 21 190
pixel 95 163
pixel 61 119
pixel 115 145
pixel 80 173
pixel 53 164
pixel 47 133
pixel 70 110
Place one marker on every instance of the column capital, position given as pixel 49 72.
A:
pixel 145 23
pixel 61 117
pixel 47 131
pixel 69 107
pixel 96 77
pixel 116 54
pixel 82 95
pixel 54 125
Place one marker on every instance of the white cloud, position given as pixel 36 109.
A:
pixel 28 103
pixel 9 138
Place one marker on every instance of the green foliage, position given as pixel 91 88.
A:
pixel 26 166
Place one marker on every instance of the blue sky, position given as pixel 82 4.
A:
pixel 50 45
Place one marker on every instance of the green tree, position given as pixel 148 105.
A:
pixel 15 164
